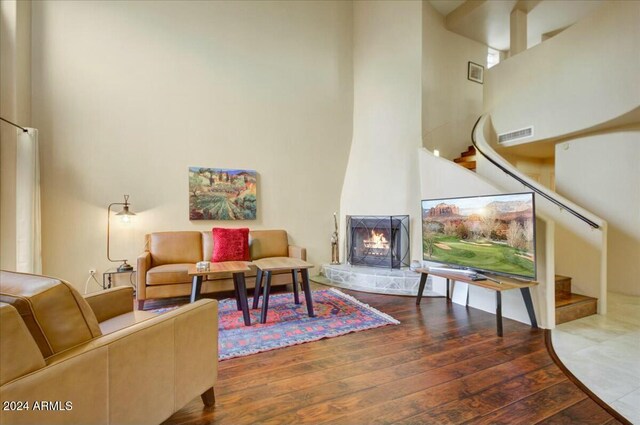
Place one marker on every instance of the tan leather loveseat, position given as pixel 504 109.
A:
pixel 162 268
pixel 68 359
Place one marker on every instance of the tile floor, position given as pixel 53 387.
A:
pixel 604 353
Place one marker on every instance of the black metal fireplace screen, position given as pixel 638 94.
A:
pixel 378 241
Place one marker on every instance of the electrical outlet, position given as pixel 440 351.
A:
pixel 92 271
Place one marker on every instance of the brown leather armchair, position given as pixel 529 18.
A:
pixel 94 360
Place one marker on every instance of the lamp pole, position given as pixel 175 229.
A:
pixel 124 267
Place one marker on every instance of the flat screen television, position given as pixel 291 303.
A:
pixel 492 234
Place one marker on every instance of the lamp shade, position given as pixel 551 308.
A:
pixel 125 215
pixel 126 211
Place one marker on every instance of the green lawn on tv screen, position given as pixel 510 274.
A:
pixel 496 257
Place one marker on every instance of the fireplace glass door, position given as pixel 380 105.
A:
pixel 378 241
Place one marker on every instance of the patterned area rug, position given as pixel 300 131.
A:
pixel 288 324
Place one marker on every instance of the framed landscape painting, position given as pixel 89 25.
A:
pixel 222 194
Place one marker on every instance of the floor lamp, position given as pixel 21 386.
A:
pixel 125 216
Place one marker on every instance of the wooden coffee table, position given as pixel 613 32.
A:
pixel 269 265
pixel 237 269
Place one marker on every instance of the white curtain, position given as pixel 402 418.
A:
pixel 28 235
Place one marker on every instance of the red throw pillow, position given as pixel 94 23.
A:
pixel 230 244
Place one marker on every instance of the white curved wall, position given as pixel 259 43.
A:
pixel 382 172
pixel 584 76
pixel 610 188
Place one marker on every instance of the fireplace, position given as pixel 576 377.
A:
pixel 378 241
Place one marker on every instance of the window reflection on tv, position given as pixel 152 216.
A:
pixel 493 234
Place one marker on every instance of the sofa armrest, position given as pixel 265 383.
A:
pixel 144 264
pixel 111 303
pixel 19 353
pixel 298 252
pixel 139 374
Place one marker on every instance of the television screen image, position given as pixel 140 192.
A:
pixel 494 233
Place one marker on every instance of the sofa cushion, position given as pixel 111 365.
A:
pixel 175 247
pixel 230 244
pixel 55 313
pixel 168 274
pixel 268 243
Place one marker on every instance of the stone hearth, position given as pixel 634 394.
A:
pixel 368 279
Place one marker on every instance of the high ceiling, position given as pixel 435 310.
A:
pixel 446 6
pixel 487 21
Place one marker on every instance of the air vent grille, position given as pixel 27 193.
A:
pixel 515 135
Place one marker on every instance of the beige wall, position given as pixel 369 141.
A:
pixel 541 170
pixel 451 103
pixel 382 173
pixel 582 77
pixel 128 95
pixel 15 105
pixel 611 189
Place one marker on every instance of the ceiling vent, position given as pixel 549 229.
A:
pixel 512 136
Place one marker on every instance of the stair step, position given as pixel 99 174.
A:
pixel 471 165
pixel 563 285
pixel 573 306
pixel 465 159
pixel 470 151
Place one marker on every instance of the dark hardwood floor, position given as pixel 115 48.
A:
pixel 443 364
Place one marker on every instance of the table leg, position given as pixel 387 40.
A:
pixel 265 298
pixel 448 283
pixel 235 289
pixel 196 286
pixel 526 296
pixel 294 276
pixel 499 312
pixel 257 289
pixel 423 282
pixel 307 292
pixel 241 289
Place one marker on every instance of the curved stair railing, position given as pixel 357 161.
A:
pixel 545 195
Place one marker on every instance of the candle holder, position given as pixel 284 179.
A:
pixel 335 253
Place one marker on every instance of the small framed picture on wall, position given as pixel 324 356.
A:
pixel 475 72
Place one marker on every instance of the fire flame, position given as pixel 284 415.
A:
pixel 377 240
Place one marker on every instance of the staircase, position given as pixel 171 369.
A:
pixel 467 159
pixel 571 306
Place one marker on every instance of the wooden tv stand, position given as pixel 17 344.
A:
pixel 496 283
